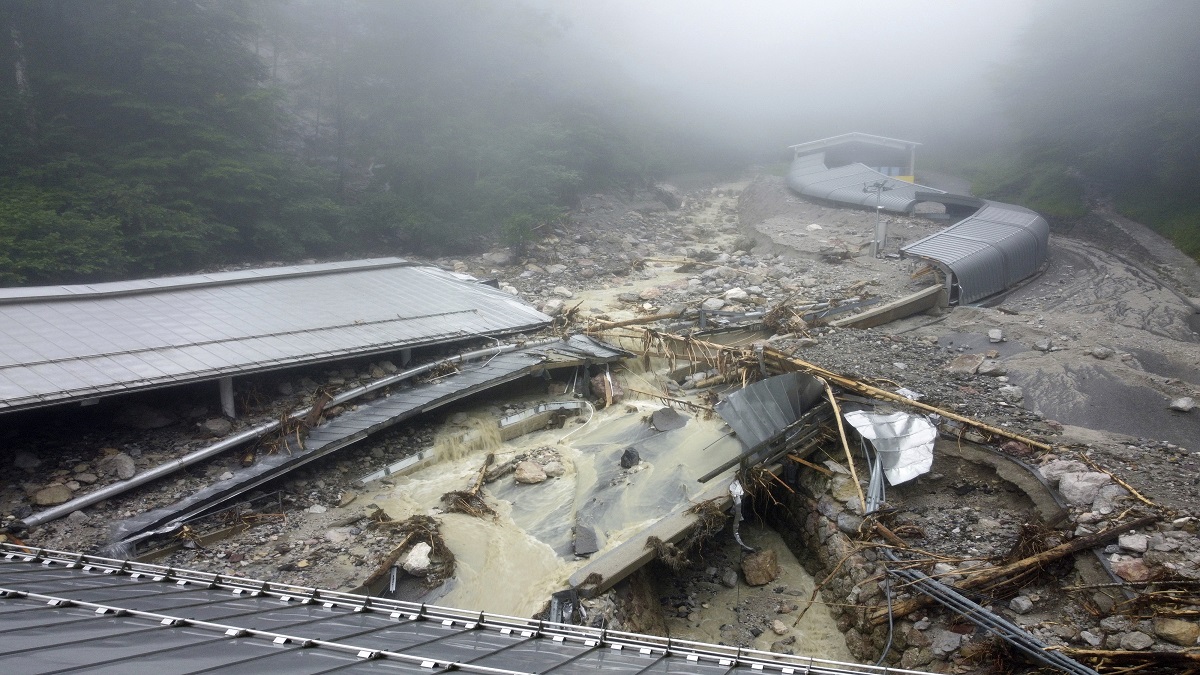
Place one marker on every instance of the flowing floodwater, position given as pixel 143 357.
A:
pixel 512 563
pixel 815 633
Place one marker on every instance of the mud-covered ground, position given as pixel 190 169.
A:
pixel 1091 354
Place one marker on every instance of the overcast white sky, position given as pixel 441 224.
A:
pixel 760 67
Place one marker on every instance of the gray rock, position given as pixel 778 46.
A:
pixel 1091 638
pixel 587 539
pixel 1020 604
pixel 630 458
pixel 995 335
pixel 778 627
pixel 1136 641
pixel 121 465
pixel 52 495
pixel 944 642
pixel 1108 499
pixel 77 517
pixel 1102 353
pixel 416 561
pixel 1081 488
pixel 553 307
pixel 554 469
pixel 729 578
pixel 529 472
pixel 86 478
pixel 992 368
pixel 1052 471
pixel 218 426
pixel 848 522
pixel 1042 345
pixel 712 304
pixel 563 292
pixel 1183 404
pixel 316 508
pixel 228 475
pixel 338 535
pixel 26 460
pixel 1134 542
pixel 499 257
pixel 736 294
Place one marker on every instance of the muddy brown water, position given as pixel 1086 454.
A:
pixel 512 563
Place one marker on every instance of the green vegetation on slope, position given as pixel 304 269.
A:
pixel 155 136
pixel 1110 90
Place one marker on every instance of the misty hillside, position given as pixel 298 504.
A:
pixel 146 137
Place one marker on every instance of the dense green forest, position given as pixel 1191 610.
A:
pixel 153 136
pixel 1106 94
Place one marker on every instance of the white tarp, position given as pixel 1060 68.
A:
pixel 904 442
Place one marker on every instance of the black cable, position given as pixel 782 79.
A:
pixel 887 589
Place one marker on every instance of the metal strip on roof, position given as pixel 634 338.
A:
pixel 62 610
pixel 156 332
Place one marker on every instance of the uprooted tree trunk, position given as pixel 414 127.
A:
pixel 470 501
pixel 981 578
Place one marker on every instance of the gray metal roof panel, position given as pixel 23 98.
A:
pixel 237 322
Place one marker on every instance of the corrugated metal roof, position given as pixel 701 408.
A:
pixel 854 137
pixel 66 342
pixel 852 184
pixel 64 611
pixel 988 252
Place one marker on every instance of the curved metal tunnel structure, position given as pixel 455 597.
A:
pixel 991 248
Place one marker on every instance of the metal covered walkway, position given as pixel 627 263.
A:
pixel 65 612
pixel 991 248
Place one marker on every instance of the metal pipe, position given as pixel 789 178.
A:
pixel 255 432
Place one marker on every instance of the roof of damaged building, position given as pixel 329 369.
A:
pixel 65 611
pixel 854 184
pixel 63 343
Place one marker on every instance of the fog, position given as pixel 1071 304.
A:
pixel 766 74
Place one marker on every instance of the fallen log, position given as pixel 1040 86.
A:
pixel 980 578
pixel 605 325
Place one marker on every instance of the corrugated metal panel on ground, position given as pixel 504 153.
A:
pixel 63 611
pixel 60 343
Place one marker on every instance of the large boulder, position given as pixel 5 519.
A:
pixel 669 195
pixel 417 561
pixel 1178 631
pixel 761 568
pixel 1082 487
pixel 529 472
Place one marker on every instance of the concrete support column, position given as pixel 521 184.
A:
pixel 405 357
pixel 227 407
